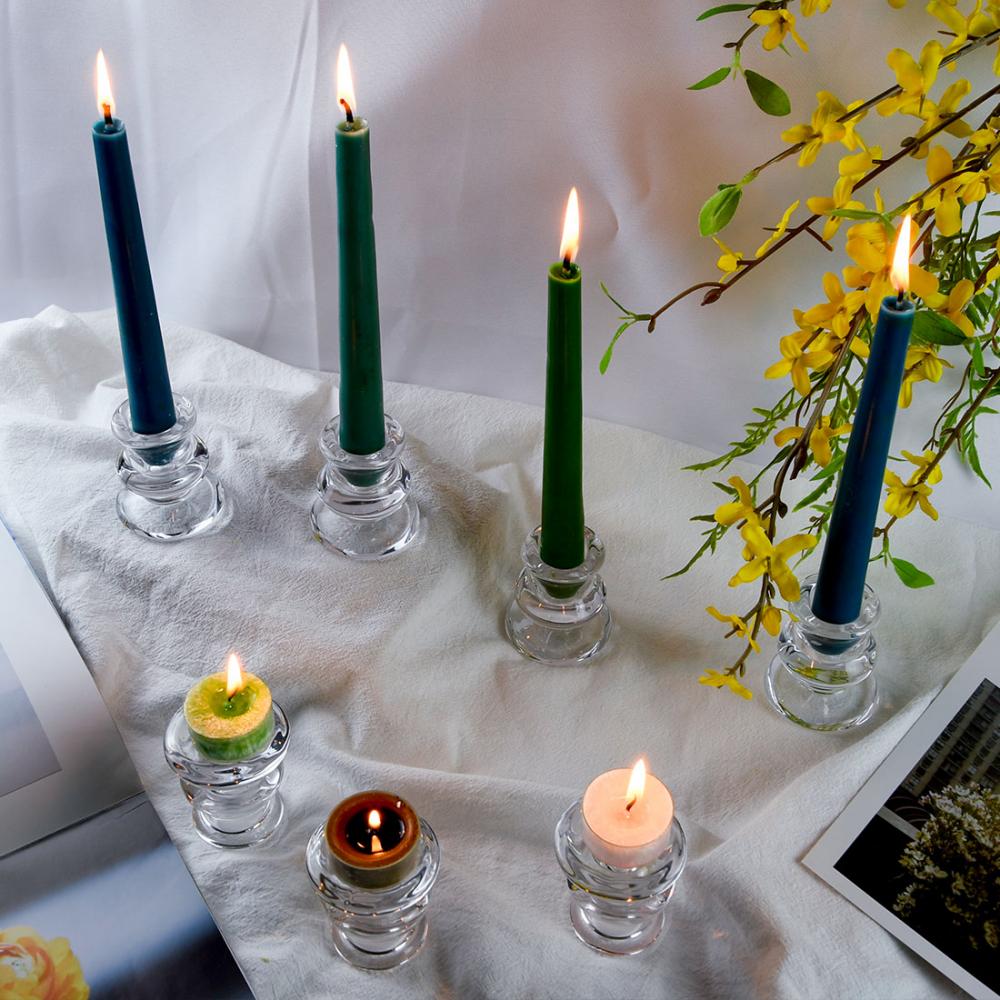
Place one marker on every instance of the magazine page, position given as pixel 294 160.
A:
pixel 61 757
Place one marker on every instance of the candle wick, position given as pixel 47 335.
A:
pixel 108 120
pixel 901 298
pixel 628 806
pixel 347 111
pixel 568 264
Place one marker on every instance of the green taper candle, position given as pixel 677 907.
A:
pixel 562 471
pixel 362 415
pixel 229 713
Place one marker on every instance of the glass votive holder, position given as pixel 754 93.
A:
pixel 364 508
pixel 235 803
pixel 559 616
pixel 823 675
pixel 167 492
pixel 619 911
pixel 377 914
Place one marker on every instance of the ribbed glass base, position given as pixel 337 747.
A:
pixel 168 494
pixel 364 509
pixel 559 616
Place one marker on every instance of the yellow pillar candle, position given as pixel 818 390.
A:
pixel 229 713
pixel 627 817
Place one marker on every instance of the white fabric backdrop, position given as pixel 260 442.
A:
pixel 483 114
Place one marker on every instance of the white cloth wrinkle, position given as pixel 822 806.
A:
pixel 397 675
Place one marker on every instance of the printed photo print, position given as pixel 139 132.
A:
pixel 931 854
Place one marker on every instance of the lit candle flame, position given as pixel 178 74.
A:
pixel 899 273
pixel 636 785
pixel 345 84
pixel 571 230
pixel 235 680
pixel 105 100
pixel 374 819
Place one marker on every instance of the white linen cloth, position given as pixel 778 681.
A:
pixel 397 675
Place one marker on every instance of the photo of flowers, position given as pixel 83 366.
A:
pixel 918 848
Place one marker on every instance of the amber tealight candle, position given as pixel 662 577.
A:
pixel 627 817
pixel 372 839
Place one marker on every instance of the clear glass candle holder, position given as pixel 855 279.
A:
pixel 167 491
pixel 375 928
pixel 365 509
pixel 823 675
pixel 559 616
pixel 235 803
pixel 619 911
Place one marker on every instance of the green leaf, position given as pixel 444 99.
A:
pixel 767 95
pixel 712 79
pixel 854 213
pixel 719 210
pixel 977 359
pixel 604 288
pixel 910 575
pixel 606 359
pixel 814 496
pixel 933 328
pixel 725 8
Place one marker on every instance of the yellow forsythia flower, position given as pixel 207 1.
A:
pixel 903 498
pixel 765 557
pixel 779 230
pixel 810 7
pixel 801 351
pixel 952 306
pixel 716 679
pixel 741 509
pixel 914 79
pixel 922 365
pixel 32 967
pixel 778 23
pixel 738 625
pixel 824 127
pixel 729 260
pixel 819 438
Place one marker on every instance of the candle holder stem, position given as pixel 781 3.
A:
pixel 559 616
pixel 823 676
pixel 234 803
pixel 375 928
pixel 619 911
pixel 167 492
pixel 364 509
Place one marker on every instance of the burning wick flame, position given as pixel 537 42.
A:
pixel 235 681
pixel 374 822
pixel 105 100
pixel 345 84
pixel 571 231
pixel 636 785
pixel 899 273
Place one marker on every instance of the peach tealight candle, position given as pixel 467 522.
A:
pixel 627 816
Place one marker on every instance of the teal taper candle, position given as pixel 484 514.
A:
pixel 150 399
pixel 362 418
pixel 562 472
pixel 840 586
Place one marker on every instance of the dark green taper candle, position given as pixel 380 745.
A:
pixel 562 470
pixel 362 419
